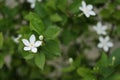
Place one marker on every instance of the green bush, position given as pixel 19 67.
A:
pixel 59 40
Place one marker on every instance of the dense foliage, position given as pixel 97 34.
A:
pixel 59 40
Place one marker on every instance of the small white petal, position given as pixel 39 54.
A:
pixel 26 42
pixel 104 32
pixel 104 27
pixel 32 5
pixel 26 48
pixel 99 24
pixel 92 13
pixel 101 39
pixel 32 39
pixel 19 36
pixel 38 43
pixel 100 45
pixel 106 48
pixel 110 44
pixel 107 38
pixel 34 50
pixel 81 8
pixel 83 4
pixel 90 7
pixel 87 15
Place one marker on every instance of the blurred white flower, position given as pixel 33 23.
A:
pixel 32 2
pixel 32 44
pixel 87 9
pixel 41 37
pixel 105 43
pixel 16 39
pixel 70 60
pixel 100 29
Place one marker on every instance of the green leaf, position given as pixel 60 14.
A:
pixel 103 62
pixel 1 61
pixel 74 7
pixel 62 5
pixel 36 23
pixel 116 15
pixel 1 40
pixel 51 4
pixel 69 69
pixel 52 32
pixel 52 48
pixel 86 73
pixel 29 56
pixel 105 13
pixel 40 60
pixel 103 66
pixel 115 54
pixel 56 18
pixel 67 36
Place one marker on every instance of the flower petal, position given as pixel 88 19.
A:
pixel 87 14
pixel 107 38
pixel 99 24
pixel 32 5
pixel 81 8
pixel 32 39
pixel 106 48
pixel 101 39
pixel 26 42
pixel 104 27
pixel 34 50
pixel 38 43
pixel 110 44
pixel 83 4
pixel 100 45
pixel 92 13
pixel 90 7
pixel 26 48
pixel 103 32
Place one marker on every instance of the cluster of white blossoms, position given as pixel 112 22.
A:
pixel 87 9
pixel 105 42
pixel 32 3
pixel 100 29
pixel 32 44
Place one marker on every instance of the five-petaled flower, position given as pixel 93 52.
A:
pixel 105 43
pixel 32 44
pixel 32 3
pixel 87 9
pixel 100 29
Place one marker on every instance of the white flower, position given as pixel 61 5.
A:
pixel 87 9
pixel 32 2
pixel 105 43
pixel 16 39
pixel 32 44
pixel 41 37
pixel 100 29
pixel 70 60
